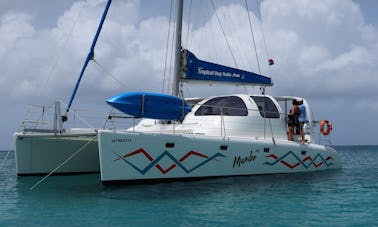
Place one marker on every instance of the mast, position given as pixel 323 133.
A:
pixel 90 55
pixel 176 71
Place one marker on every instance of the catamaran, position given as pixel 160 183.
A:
pixel 180 138
pixel 194 138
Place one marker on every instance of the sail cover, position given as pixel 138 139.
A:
pixel 198 70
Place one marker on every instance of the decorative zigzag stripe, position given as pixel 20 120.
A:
pixel 154 162
pixel 308 158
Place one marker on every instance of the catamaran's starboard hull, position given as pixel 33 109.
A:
pixel 41 154
pixel 138 157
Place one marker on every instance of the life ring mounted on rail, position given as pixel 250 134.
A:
pixel 328 129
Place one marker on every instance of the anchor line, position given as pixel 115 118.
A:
pixel 6 157
pixel 64 162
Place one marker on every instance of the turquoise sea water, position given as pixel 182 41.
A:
pixel 345 197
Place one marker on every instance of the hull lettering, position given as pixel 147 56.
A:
pixel 244 160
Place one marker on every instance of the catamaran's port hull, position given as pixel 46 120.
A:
pixel 137 157
pixel 38 154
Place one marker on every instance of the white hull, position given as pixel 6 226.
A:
pixel 128 156
pixel 43 153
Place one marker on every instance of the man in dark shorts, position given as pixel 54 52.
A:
pixel 293 116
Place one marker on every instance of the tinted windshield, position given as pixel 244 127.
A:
pixel 229 106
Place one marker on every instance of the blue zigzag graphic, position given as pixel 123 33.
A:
pixel 166 153
pixel 318 156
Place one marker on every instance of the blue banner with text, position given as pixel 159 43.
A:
pixel 199 70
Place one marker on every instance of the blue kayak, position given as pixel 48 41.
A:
pixel 150 105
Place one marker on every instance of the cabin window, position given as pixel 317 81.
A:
pixel 266 107
pixel 229 106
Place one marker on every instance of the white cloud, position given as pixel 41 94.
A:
pixel 358 55
pixel 32 58
pixel 331 48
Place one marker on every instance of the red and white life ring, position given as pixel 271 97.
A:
pixel 328 129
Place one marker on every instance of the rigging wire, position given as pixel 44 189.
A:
pixel 77 115
pixel 122 85
pixel 195 32
pixel 253 36
pixel 57 59
pixel 188 28
pixel 222 26
pixel 258 2
pixel 167 47
pixel 224 34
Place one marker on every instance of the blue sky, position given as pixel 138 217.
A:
pixel 325 51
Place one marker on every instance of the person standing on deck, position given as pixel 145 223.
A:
pixel 302 119
pixel 293 116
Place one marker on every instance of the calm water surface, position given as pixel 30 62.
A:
pixel 345 197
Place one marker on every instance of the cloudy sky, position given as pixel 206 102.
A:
pixel 325 51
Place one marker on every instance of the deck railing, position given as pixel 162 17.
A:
pixel 40 119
